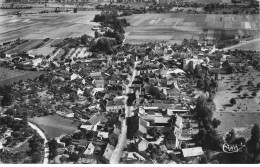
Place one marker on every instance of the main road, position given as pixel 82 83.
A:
pixel 240 44
pixel 122 139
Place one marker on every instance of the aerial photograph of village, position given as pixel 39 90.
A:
pixel 129 82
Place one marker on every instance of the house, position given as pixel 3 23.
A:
pixel 172 139
pixel 83 143
pixel 115 106
pixel 175 90
pixel 103 135
pixel 190 64
pixel 168 51
pixel 95 74
pixel 141 130
pixel 80 92
pixel 113 137
pixel 71 148
pixel 36 62
pixel 163 70
pixel 178 122
pixel 89 150
pixel 161 121
pixel 172 111
pixel 108 152
pixel 144 123
pixel 163 148
pixel 99 83
pixel 191 152
pixel 91 124
pixel 73 76
pixel 141 144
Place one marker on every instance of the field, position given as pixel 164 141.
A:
pixel 246 112
pixel 173 28
pixel 41 26
pixel 55 125
pixel 25 47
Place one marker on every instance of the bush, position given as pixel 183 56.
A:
pixel 232 101
pixel 7 100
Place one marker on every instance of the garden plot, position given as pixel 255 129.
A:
pixel 42 51
pixel 25 47
pixel 247 25
pixel 76 52
pixel 83 53
pixel 70 53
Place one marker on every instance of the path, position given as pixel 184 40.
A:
pixel 40 132
pixel 46 148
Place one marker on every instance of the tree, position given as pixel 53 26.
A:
pixel 216 123
pixel 7 100
pixel 74 157
pixel 232 101
pixel 231 136
pixel 84 39
pixel 254 142
pixel 9 111
pixel 36 157
pixel 53 145
pixel 258 85
pixel 200 83
pixel 103 44
pixel 153 91
pixel 67 140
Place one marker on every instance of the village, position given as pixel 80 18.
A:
pixel 167 85
pixel 149 103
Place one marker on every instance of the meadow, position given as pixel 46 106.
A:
pixel 8 76
pixel 55 125
pixel 246 112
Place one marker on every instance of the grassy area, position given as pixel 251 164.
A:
pixel 246 112
pixel 55 125
pixel 8 76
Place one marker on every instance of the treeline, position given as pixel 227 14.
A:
pixel 114 36
pixel 109 19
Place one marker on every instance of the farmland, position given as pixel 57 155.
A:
pixel 41 26
pixel 173 28
pixel 246 112
pixel 55 125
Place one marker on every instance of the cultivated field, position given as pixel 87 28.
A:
pixel 246 112
pixel 41 26
pixel 55 125
pixel 176 27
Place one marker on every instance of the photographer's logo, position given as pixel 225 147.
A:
pixel 227 148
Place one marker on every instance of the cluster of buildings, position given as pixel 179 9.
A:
pixel 160 113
